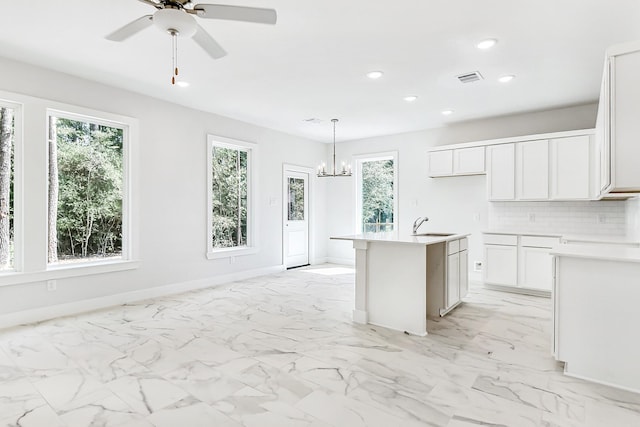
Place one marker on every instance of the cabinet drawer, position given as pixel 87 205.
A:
pixel 501 239
pixel 453 247
pixel 539 241
pixel 464 244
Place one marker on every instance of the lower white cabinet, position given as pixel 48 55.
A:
pixel 457 280
pixel 521 262
pixel 501 264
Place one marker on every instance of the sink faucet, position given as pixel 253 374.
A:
pixel 418 222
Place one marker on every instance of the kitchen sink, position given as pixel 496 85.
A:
pixel 434 234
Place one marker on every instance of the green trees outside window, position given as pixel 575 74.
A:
pixel 85 214
pixel 6 188
pixel 229 197
pixel 377 195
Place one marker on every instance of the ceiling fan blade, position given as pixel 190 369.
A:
pixel 130 29
pixel 152 3
pixel 236 13
pixel 207 42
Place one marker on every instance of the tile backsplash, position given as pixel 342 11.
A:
pixel 579 217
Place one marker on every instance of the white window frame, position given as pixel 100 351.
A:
pixel 18 211
pixel 110 120
pixel 252 173
pixel 30 261
pixel 363 158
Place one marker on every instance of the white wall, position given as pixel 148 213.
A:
pixel 170 187
pixel 450 203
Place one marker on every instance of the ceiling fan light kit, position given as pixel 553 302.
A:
pixel 177 18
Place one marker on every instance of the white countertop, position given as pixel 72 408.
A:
pixel 607 253
pixel 395 237
pixel 587 238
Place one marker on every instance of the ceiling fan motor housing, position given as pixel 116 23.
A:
pixel 175 20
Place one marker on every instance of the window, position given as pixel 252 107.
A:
pixel 7 173
pixel 86 189
pixel 376 190
pixel 230 215
pixel 295 204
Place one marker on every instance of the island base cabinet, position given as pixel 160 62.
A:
pixel 464 273
pixel 453 280
pixel 595 320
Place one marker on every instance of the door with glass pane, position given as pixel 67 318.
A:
pixel 296 220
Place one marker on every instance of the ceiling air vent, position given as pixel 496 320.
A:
pixel 470 77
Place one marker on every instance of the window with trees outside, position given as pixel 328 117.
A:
pixel 7 150
pixel 376 192
pixel 86 189
pixel 230 196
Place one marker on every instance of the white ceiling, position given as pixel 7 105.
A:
pixel 312 64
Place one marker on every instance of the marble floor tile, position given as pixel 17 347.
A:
pixel 281 350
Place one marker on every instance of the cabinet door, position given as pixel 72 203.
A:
pixel 624 123
pixel 468 161
pixel 464 273
pixel 441 163
pixel 536 270
pixel 501 172
pixel 501 265
pixel 453 279
pixel 532 170
pixel 571 168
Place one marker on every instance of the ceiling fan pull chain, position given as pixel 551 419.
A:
pixel 176 64
pixel 174 49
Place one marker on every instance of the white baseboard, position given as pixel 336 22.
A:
pixel 360 316
pixel 318 261
pixel 76 307
pixel 341 261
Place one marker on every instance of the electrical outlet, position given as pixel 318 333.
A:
pixel 232 260
pixel 532 217
pixel 52 285
pixel 477 266
pixel 602 218
pixel 476 217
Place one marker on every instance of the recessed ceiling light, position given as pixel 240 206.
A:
pixel 373 75
pixel 487 44
pixel 447 112
pixel 410 98
pixel 507 78
pixel 182 83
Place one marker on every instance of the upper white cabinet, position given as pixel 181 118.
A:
pixel 618 127
pixel 458 161
pixel 501 172
pixel 441 163
pixel 571 168
pixel 468 161
pixel 532 170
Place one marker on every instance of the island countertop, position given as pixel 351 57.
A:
pixel 408 238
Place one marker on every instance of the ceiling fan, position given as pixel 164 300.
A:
pixel 176 17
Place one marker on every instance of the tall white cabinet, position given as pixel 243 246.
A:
pixel 618 127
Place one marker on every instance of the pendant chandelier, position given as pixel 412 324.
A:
pixel 322 168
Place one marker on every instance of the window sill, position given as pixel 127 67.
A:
pixel 70 270
pixel 231 252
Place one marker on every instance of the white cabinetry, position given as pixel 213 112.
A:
pixel 458 161
pixel 571 168
pixel 501 259
pixel 532 170
pixel 457 280
pixel 618 127
pixel 440 163
pixel 501 172
pixel 520 262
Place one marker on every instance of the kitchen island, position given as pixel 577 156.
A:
pixel 402 279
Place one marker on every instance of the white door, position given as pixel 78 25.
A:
pixel 296 219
